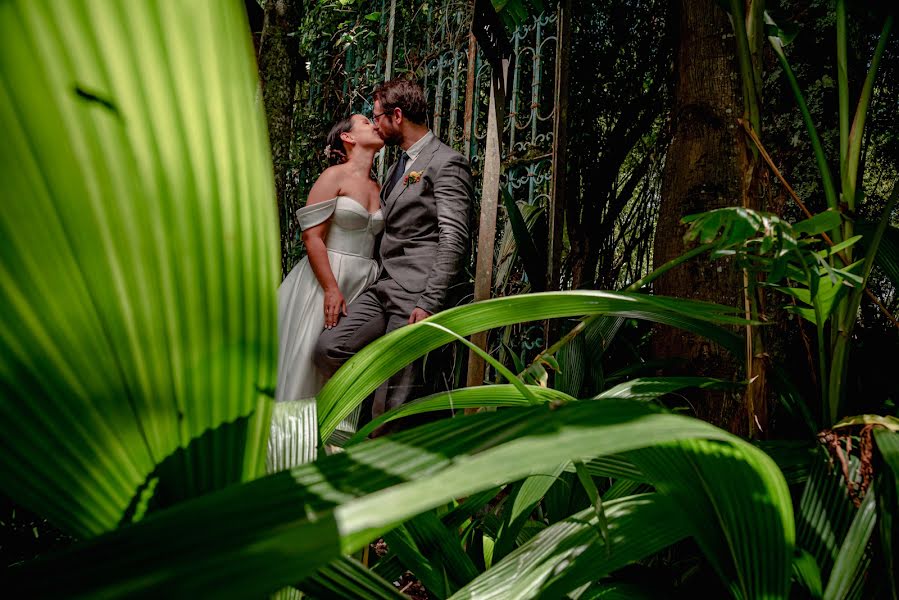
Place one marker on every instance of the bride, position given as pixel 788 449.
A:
pixel 340 223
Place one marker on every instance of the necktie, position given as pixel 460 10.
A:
pixel 397 173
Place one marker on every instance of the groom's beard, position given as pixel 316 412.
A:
pixel 393 138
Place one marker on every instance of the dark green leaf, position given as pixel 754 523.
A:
pixel 887 257
pixel 807 573
pixel 518 508
pixel 650 388
pixel 348 579
pixel 886 486
pixel 596 500
pixel 853 558
pixel 572 552
pixel 531 258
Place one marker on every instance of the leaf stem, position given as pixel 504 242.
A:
pixel 817 146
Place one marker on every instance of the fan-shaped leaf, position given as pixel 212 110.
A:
pixel 266 534
pixel 139 258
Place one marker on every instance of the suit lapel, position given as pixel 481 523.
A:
pixel 420 164
pixel 386 179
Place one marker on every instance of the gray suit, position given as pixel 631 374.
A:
pixel 421 253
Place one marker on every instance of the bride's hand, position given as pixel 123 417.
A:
pixel 335 305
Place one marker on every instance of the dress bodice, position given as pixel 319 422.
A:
pixel 352 230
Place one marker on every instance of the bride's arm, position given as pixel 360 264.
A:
pixel 325 188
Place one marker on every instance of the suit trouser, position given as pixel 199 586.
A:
pixel 382 308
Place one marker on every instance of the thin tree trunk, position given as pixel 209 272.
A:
pixel 708 166
pixel 278 72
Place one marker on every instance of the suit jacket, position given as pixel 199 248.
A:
pixel 426 237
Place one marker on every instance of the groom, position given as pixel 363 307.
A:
pixel 426 201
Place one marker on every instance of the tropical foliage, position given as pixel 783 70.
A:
pixel 140 271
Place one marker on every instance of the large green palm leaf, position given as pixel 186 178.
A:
pixel 139 262
pixel 256 537
pixel 387 355
pixel 569 553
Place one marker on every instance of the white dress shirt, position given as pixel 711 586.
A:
pixel 416 148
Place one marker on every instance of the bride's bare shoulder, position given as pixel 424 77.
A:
pixel 327 185
pixel 331 172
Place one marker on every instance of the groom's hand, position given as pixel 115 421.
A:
pixel 418 314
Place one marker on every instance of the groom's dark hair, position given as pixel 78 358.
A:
pixel 407 96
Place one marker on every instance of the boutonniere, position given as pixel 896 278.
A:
pixel 412 177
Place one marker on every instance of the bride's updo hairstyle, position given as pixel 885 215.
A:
pixel 335 150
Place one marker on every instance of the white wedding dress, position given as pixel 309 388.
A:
pixel 301 318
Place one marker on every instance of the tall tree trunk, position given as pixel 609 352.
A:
pixel 279 72
pixel 708 166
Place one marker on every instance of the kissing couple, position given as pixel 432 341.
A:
pixel 378 258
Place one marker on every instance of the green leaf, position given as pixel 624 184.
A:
pixel 887 422
pixel 468 507
pixel 778 38
pixel 794 458
pixel 431 574
pixel 139 257
pixel 442 548
pixel 573 364
pixel 533 262
pixel 595 500
pixel 837 248
pixel 825 514
pixel 820 223
pixel 784 31
pixel 616 590
pixel 348 579
pixel 886 485
pixel 705 464
pixel 853 558
pixel 572 552
pixel 887 257
pixel 516 12
pixel 379 360
pixel 622 488
pixel 613 466
pixel 808 573
pixel 650 388
pixel 265 534
pixel 507 252
pixel 472 397
pixel 518 508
